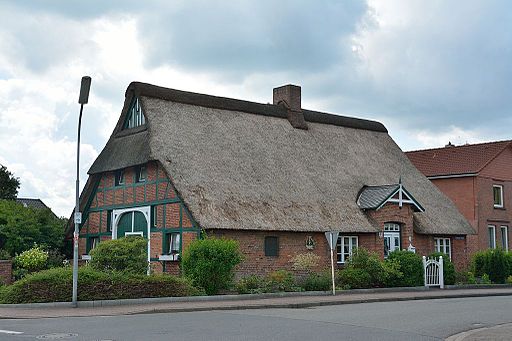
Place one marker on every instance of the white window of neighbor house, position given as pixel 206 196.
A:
pixel 443 245
pixel 344 248
pixel 504 237
pixel 498 195
pixel 492 236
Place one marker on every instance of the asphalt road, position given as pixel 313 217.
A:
pixel 404 320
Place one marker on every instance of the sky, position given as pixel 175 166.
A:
pixel 431 71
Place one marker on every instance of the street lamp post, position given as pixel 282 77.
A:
pixel 85 86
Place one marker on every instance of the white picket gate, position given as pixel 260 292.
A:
pixel 433 272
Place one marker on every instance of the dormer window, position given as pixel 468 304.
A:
pixel 135 116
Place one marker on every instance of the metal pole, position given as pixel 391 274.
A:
pixel 77 212
pixel 332 269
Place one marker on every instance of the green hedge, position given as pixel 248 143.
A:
pixel 128 254
pixel 410 265
pixel 210 263
pixel 496 263
pixel 55 285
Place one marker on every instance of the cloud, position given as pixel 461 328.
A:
pixel 432 72
pixel 247 37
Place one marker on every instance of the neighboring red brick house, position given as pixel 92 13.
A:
pixel 275 177
pixel 478 179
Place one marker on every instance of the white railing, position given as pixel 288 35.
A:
pixel 433 272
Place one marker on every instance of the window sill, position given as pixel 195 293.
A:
pixel 173 257
pixel 499 208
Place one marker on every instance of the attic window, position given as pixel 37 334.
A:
pixel 135 116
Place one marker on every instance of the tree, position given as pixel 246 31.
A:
pixel 21 227
pixel 9 184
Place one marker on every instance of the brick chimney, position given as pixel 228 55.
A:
pixel 288 96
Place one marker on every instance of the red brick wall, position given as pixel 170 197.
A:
pixel 6 271
pixel 391 213
pixel 462 191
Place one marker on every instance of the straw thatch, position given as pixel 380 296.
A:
pixel 241 165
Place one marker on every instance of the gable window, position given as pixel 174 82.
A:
pixel 119 177
pixel 391 238
pixel 492 236
pixel 135 116
pixel 443 245
pixel 172 243
pixel 92 242
pixel 498 195
pixel 271 246
pixel 344 248
pixel 504 238
pixel 140 174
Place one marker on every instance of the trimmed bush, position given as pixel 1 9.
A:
pixel 127 255
pixel 496 263
pixel 210 263
pixel 55 285
pixel 448 267
pixel 410 265
pixel 354 278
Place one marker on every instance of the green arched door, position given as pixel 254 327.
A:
pixel 131 223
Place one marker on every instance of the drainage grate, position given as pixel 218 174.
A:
pixel 56 336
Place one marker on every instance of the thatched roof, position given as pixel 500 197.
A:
pixel 241 165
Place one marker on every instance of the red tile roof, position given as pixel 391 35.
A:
pixel 453 160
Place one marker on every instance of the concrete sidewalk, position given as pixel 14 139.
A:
pixel 235 302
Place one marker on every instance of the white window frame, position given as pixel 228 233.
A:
pixel 504 237
pixel 142 174
pixel 340 247
pixel 492 241
pixel 500 204
pixel 441 244
pixel 173 238
pixel 392 230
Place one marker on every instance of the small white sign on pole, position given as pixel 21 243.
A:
pixel 332 238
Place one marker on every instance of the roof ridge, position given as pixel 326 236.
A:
pixel 232 104
pixel 457 147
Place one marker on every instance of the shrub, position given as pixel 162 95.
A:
pixel 127 254
pixel 364 260
pixel 509 280
pixel 32 260
pixel 485 279
pixel 55 259
pixel 494 262
pixel 55 285
pixel 317 282
pixel 448 267
pixel 354 278
pixel 411 266
pixel 305 262
pixel 465 277
pixel 280 280
pixel 210 263
pixel 250 285
pixel 4 254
